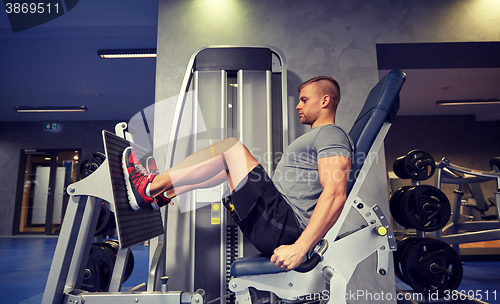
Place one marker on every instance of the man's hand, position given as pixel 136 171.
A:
pixel 288 257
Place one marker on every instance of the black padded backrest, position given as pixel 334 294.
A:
pixel 381 105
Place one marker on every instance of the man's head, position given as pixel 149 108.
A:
pixel 318 100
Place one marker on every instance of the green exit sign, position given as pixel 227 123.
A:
pixel 50 125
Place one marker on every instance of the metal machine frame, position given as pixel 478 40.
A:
pixel 476 231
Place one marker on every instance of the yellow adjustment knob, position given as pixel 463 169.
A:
pixel 381 230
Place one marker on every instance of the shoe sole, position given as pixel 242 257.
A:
pixel 155 206
pixel 130 189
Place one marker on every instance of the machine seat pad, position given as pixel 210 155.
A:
pixel 254 265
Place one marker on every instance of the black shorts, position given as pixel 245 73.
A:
pixel 262 213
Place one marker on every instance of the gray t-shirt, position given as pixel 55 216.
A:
pixel 296 175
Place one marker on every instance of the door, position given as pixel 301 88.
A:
pixel 41 195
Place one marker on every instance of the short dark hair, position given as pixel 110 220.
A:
pixel 330 85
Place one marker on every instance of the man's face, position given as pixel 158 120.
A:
pixel 309 106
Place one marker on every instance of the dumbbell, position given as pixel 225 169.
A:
pixel 417 164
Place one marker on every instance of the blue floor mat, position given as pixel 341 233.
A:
pixel 25 265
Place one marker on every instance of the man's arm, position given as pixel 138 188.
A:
pixel 333 176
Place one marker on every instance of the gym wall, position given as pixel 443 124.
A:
pixel 460 138
pixel 336 38
pixel 85 135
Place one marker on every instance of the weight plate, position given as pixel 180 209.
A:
pixel 103 220
pixel 92 277
pixel 431 265
pixel 114 245
pixel 417 164
pixel 395 206
pixel 399 167
pixel 398 254
pixel 98 271
pixel 111 224
pixel 404 258
pixel 425 208
pixel 89 166
pixel 99 157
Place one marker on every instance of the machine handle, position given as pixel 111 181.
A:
pixel 309 264
pixel 313 260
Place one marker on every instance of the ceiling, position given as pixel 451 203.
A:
pixel 424 87
pixel 56 64
pixel 445 71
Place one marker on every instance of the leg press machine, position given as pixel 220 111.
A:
pixel 328 269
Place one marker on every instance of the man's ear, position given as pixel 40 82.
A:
pixel 325 101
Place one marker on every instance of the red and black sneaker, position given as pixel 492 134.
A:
pixel 137 180
pixel 161 199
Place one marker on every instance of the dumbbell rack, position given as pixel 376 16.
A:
pixel 421 165
pixel 107 185
pixel 428 265
pixel 422 207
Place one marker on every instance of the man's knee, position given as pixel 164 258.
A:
pixel 231 141
pixel 226 144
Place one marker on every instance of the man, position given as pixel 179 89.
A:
pixel 286 217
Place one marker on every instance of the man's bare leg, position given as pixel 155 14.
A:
pixel 215 181
pixel 207 168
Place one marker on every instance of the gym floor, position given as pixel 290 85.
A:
pixel 25 264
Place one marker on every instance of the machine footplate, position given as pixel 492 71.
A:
pixel 133 227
